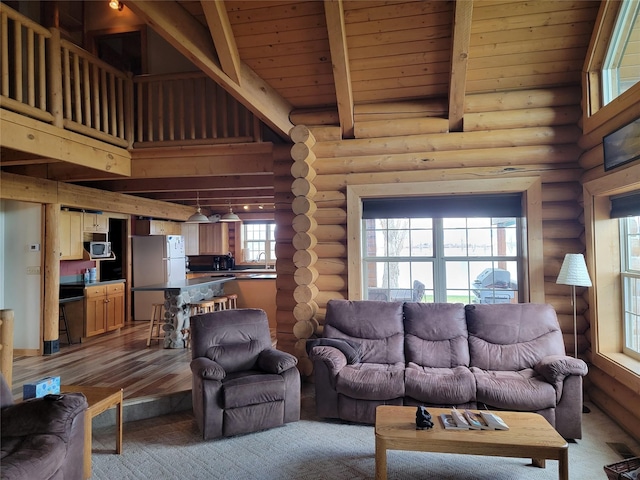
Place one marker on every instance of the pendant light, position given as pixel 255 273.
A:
pixel 198 217
pixel 230 216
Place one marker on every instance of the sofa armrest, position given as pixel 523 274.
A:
pixel 208 369
pixel 555 368
pixel 48 415
pixel 276 361
pixel 350 349
pixel 333 358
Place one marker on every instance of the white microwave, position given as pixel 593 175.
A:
pixel 98 249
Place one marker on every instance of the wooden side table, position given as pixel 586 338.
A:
pixel 99 399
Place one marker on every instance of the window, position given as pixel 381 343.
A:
pixel 630 273
pixel 259 242
pixel 428 258
pixel 621 67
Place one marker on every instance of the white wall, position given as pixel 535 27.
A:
pixel 20 227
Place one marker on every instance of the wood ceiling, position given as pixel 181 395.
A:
pixel 351 61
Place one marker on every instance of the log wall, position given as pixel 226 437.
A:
pixel 531 138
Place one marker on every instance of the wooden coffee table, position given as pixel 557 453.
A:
pixel 99 399
pixel 529 436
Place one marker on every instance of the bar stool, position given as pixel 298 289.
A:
pixel 156 322
pixel 232 301
pixel 220 303
pixel 62 322
pixel 202 306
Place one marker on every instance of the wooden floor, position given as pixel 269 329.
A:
pixel 119 359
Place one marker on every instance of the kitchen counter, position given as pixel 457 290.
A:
pixel 178 296
pixel 186 284
pixel 237 274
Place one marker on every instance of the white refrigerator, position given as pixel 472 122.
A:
pixel 156 259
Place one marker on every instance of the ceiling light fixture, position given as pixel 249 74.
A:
pixel 116 5
pixel 198 217
pixel 230 216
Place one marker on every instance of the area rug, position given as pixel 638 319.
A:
pixel 170 447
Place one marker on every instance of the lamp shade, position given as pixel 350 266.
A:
pixel 197 217
pixel 574 271
pixel 230 217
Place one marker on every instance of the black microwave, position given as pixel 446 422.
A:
pixel 98 249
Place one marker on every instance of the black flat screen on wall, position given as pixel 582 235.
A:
pixel 622 146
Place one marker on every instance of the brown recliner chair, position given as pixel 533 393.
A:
pixel 42 437
pixel 241 383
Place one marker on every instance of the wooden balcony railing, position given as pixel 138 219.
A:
pixel 58 82
pixel 23 65
pixel 188 108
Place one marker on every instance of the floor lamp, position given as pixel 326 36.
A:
pixel 574 272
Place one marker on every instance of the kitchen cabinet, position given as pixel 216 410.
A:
pixel 95 222
pixel 103 308
pixel 214 238
pixel 158 227
pixel 191 236
pixel 70 235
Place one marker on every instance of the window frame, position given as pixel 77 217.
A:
pixel 532 252
pixel 626 274
pixel 269 243
pixel 438 259
pixel 602 234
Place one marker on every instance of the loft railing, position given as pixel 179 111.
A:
pixel 23 65
pixel 58 82
pixel 188 108
pixel 97 98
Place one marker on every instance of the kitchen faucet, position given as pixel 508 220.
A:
pixel 266 264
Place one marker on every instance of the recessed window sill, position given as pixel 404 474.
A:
pixel 623 368
pixel 624 361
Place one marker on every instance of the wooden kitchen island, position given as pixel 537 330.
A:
pixel 177 297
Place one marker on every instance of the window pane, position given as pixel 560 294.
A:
pixel 630 250
pixel 259 242
pixel 468 260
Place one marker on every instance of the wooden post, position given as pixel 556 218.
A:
pixel 51 307
pixel 55 78
pixel 6 345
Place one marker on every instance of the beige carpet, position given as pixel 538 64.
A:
pixel 169 447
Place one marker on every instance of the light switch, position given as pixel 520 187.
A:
pixel 34 247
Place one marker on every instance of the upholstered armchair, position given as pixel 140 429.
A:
pixel 42 437
pixel 241 383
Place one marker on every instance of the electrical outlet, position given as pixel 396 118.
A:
pixel 33 270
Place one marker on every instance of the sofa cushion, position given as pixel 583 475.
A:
pixel 249 389
pixel 376 326
pixel 512 337
pixel 436 334
pixel 519 390
pixel 440 386
pixel 371 381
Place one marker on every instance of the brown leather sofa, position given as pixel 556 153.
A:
pixel 503 356
pixel 240 383
pixel 42 437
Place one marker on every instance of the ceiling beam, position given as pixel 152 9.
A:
pixel 231 159
pixel 203 183
pixel 42 140
pixel 223 39
pixel 188 196
pixel 336 30
pixel 29 189
pixel 193 40
pixel 459 59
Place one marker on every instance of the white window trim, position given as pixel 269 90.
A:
pixel 533 262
